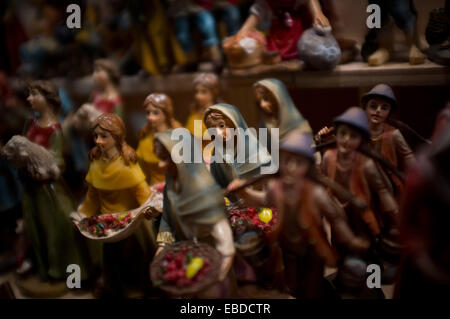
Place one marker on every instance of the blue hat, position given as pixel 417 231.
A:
pixel 298 143
pixel 356 118
pixel 383 91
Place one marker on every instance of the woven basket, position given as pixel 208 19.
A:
pixel 197 249
pixel 238 58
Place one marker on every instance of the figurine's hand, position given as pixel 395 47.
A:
pixel 235 184
pixel 321 20
pixel 359 245
pixel 225 267
pixel 150 212
pixel 324 131
pixel 158 250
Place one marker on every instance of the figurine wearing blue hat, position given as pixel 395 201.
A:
pixel 379 104
pixel 302 204
pixel 359 174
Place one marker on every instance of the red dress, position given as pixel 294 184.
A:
pixel 41 135
pixel 105 105
pixel 286 28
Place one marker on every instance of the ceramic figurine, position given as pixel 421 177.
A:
pixel 46 201
pixel 159 111
pixel 194 208
pixel 184 12
pixel 360 175
pixel 424 272
pixel 105 98
pixel 225 164
pixel 155 47
pixel 117 184
pixel 206 86
pixel 437 35
pixel 302 204
pixel 287 23
pixel 228 11
pixel 378 46
pixel 107 79
pixel 277 108
pixel 379 104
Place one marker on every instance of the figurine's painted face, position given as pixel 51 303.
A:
pixel 293 167
pixel 378 110
pixel 266 101
pixel 348 139
pixel 165 159
pixel 37 100
pixel 100 77
pixel 203 96
pixel 220 123
pixel 104 141
pixel 156 117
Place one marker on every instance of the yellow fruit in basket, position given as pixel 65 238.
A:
pixel 121 217
pixel 265 215
pixel 194 266
pixel 227 201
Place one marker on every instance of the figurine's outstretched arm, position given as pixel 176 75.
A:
pixel 339 226
pixel 250 196
pixel 223 237
pixel 259 11
pixel 387 201
pixel 317 13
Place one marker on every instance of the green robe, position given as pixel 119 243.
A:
pixel 46 211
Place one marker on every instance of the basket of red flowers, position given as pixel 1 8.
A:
pixel 266 219
pixel 185 268
pixel 111 228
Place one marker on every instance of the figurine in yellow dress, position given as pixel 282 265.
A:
pixel 159 111
pixel 206 94
pixel 117 184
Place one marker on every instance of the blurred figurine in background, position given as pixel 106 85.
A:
pixel 287 23
pixel 302 204
pixel 424 272
pixel 359 175
pixel 228 12
pixel 105 98
pixel 187 12
pixel 14 117
pixel 194 208
pixel 438 35
pixel 277 108
pixel 46 201
pixel 378 47
pixel 206 86
pixel 117 184
pixel 159 110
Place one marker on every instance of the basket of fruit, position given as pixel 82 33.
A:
pixel 186 268
pixel 111 228
pixel 266 219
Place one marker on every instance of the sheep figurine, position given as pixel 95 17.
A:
pixel 36 159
